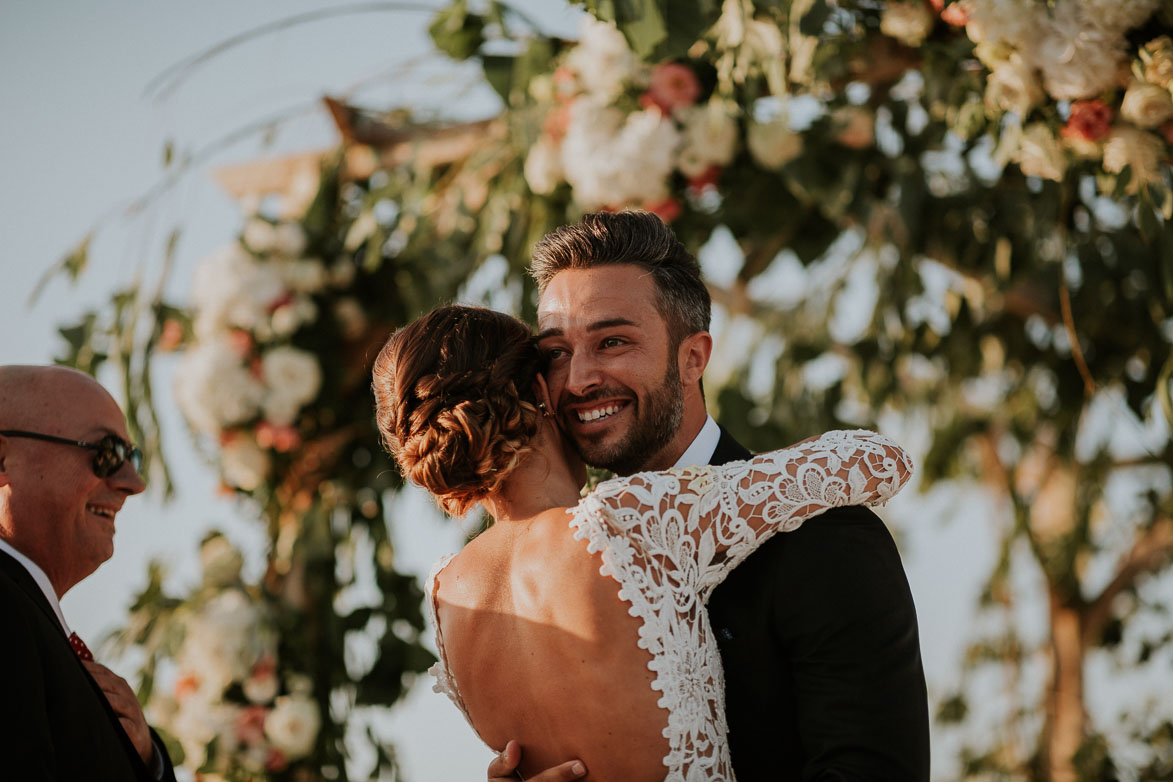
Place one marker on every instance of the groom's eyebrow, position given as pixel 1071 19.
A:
pixel 598 325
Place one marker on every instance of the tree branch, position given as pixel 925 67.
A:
pixel 1149 553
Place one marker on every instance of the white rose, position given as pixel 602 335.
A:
pixel 197 723
pixel 1146 105
pixel 1040 154
pixel 908 21
pixel 1129 146
pixel 230 289
pixel 214 389
pixel 281 409
pixel 259 236
pixel 1119 16
pixel 710 137
pixel 292 726
pixel 289 240
pixel 773 144
pixel 306 275
pixel 543 166
pixel 289 317
pixel 262 688
pixel 222 641
pixel 610 160
pixel 295 372
pixel 1013 86
pixel 994 21
pixel 244 464
pixel 1077 58
pixel 602 59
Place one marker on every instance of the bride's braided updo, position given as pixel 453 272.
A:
pixel 454 401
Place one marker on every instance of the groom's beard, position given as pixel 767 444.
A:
pixel 657 419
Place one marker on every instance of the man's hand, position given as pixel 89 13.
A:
pixel 504 768
pixel 122 700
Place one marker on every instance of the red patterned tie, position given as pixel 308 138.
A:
pixel 80 648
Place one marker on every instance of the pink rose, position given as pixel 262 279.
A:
pixel 250 724
pixel 1090 120
pixel 955 14
pixel 672 86
pixel 282 439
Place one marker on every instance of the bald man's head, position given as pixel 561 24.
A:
pixel 54 508
pixel 30 396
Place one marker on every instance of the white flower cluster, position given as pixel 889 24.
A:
pixel 612 158
pixel 228 643
pixel 248 299
pixel 1073 49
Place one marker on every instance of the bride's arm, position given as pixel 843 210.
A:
pixel 740 504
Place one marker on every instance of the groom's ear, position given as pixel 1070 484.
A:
pixel 693 356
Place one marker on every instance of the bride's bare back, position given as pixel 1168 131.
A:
pixel 549 653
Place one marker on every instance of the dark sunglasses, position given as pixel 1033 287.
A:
pixel 110 453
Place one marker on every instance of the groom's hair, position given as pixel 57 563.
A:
pixel 638 238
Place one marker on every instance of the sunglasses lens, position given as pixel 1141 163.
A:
pixel 112 453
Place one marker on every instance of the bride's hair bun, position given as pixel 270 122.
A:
pixel 454 401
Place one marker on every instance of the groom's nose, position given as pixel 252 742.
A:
pixel 583 374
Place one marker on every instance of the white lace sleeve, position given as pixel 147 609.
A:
pixel 700 522
pixel 670 538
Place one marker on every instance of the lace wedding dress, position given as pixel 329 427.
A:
pixel 669 538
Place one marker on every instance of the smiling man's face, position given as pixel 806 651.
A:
pixel 53 508
pixel 613 371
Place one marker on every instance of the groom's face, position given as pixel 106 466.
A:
pixel 613 373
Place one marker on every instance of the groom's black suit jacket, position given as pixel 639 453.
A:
pixel 818 637
pixel 57 724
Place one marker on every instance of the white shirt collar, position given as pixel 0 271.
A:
pixel 42 581
pixel 703 446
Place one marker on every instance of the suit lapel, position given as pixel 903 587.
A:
pixel 728 450
pixel 23 579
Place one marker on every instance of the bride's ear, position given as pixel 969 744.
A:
pixel 542 393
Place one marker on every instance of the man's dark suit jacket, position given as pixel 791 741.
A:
pixel 818 637
pixel 57 723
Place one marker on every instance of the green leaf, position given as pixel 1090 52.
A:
pixel 1147 221
pixel 499 73
pixel 645 29
pixel 73 264
pixel 80 339
pixel 456 32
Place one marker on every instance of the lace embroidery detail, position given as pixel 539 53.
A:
pixel 669 538
pixel 445 682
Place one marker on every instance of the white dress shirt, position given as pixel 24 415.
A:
pixel 703 446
